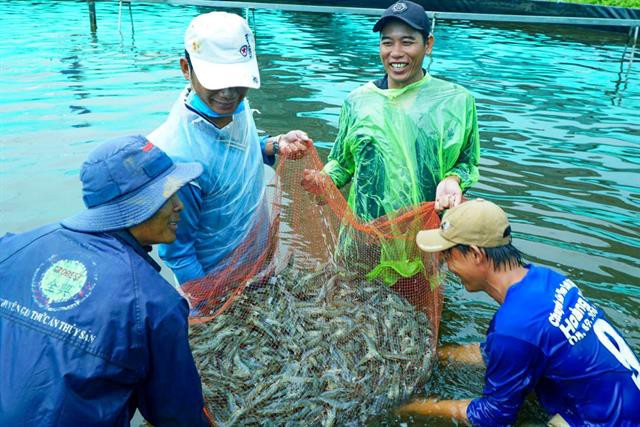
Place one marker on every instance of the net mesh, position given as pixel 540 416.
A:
pixel 298 328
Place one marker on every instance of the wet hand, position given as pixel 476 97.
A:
pixel 294 144
pixel 448 193
pixel 315 182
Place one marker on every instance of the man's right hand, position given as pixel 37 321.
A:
pixel 448 193
pixel 314 181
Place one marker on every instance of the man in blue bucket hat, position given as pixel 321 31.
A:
pixel 212 123
pixel 89 330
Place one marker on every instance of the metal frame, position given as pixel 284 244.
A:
pixel 533 19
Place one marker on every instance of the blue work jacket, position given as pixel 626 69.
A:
pixel 90 332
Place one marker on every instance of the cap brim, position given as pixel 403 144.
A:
pixel 432 241
pixel 383 21
pixel 137 208
pixel 219 76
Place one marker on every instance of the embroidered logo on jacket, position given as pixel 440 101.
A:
pixel 61 284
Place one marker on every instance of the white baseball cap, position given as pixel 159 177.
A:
pixel 222 51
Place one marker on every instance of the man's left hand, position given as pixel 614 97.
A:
pixel 294 144
pixel 448 193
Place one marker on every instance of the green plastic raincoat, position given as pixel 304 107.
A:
pixel 395 146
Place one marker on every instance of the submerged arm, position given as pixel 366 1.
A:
pixel 452 409
pixel 467 354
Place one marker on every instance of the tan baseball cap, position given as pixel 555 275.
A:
pixel 476 222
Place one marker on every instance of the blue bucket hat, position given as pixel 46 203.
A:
pixel 125 181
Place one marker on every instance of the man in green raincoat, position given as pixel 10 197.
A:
pixel 404 139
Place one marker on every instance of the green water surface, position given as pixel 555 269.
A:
pixel 559 113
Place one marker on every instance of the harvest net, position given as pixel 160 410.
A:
pixel 308 326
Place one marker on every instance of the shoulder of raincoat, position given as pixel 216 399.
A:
pixel 91 332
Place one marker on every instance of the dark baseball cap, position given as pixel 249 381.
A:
pixel 408 12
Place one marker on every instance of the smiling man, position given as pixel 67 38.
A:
pixel 212 123
pixel 406 138
pixel 89 329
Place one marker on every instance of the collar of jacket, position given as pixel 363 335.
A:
pixel 127 238
pixel 383 83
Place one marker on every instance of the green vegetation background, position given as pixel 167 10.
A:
pixel 621 3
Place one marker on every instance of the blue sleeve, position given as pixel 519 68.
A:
pixel 513 369
pixel 181 256
pixel 171 394
pixel 268 160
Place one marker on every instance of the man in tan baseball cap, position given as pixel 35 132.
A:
pixel 545 336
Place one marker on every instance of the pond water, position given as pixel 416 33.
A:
pixel 559 113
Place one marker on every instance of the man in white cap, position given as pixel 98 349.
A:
pixel 212 123
pixel 89 329
pixel 545 337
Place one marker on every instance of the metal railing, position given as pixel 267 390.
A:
pixel 530 19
